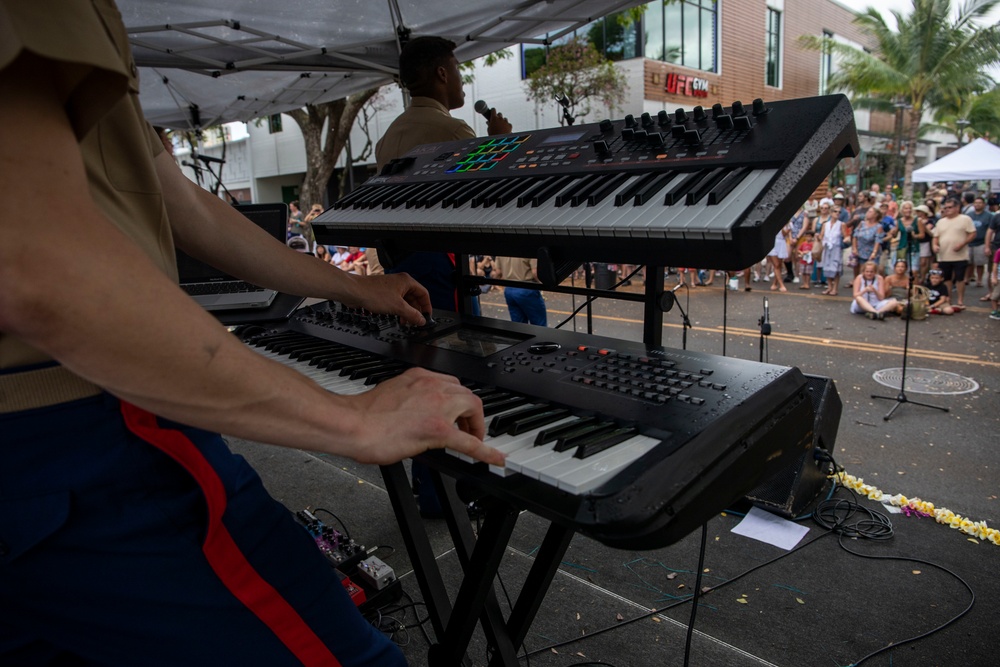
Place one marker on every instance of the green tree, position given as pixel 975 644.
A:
pixel 969 116
pixel 932 50
pixel 325 129
pixel 579 72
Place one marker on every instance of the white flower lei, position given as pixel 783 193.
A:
pixel 977 529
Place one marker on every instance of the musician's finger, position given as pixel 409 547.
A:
pixel 474 447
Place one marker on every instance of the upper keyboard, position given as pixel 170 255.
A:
pixel 708 188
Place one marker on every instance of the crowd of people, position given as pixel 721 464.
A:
pixel 944 243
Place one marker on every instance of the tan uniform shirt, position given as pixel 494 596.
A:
pixel 517 268
pixel 425 121
pixel 117 144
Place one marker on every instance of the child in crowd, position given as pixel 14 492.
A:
pixel 939 299
pixel 805 252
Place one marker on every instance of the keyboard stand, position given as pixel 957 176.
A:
pixel 480 559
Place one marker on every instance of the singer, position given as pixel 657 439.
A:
pixel 429 70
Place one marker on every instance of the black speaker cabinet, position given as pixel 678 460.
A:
pixel 793 488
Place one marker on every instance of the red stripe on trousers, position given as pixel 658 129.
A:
pixel 221 551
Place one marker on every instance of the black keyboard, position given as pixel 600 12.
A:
pixel 630 444
pixel 698 187
pixel 228 287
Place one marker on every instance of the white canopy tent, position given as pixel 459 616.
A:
pixel 977 161
pixel 205 62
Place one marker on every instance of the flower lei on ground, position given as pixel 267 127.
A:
pixel 920 507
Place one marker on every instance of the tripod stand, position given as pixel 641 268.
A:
pixel 901 397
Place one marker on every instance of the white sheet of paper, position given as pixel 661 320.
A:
pixel 766 527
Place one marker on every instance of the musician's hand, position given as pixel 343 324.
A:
pixel 497 124
pixel 417 411
pixel 394 294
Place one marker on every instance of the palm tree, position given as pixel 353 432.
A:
pixel 969 116
pixel 930 52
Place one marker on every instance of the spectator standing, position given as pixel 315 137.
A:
pixel 979 252
pixel 992 241
pixel 831 237
pixel 778 256
pixel 995 286
pixel 867 240
pixel 524 304
pixel 804 254
pixel 912 233
pixel 950 242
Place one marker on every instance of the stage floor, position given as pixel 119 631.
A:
pixel 819 604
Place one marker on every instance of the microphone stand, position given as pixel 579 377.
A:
pixel 901 397
pixel 564 102
pixel 765 328
pixel 685 321
pixel 218 179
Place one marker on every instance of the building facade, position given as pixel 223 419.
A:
pixel 686 53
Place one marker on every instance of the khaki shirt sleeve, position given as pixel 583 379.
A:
pixel 90 74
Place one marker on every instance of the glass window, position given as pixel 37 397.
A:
pixel 682 32
pixel 825 64
pixel 274 123
pixel 653 34
pixel 617 36
pixel 773 76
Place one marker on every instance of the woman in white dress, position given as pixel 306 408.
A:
pixel 778 255
pixel 831 236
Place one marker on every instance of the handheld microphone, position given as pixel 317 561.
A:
pixel 483 108
pixel 209 158
pixel 564 101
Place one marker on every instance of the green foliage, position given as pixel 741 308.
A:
pixel 577 70
pixel 932 54
pixel 968 116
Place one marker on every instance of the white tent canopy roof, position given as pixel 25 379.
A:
pixel 243 59
pixel 977 161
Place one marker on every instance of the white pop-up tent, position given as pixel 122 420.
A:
pixel 977 161
pixel 205 62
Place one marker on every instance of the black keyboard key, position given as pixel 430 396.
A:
pixel 556 432
pixel 551 190
pixel 538 184
pixel 531 423
pixel 649 191
pixel 511 193
pixel 679 192
pixel 706 185
pixel 497 407
pixel 581 185
pixel 501 423
pixel 628 194
pixel 728 184
pixel 574 438
pixel 602 441
pixel 609 185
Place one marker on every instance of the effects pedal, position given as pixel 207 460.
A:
pixel 375 573
pixel 342 552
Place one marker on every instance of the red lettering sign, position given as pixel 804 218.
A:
pixel 682 84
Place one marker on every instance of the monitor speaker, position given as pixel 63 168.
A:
pixel 793 488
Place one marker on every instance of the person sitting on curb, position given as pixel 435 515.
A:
pixel 869 294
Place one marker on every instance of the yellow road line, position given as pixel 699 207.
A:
pixel 811 340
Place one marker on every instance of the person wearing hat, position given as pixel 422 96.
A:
pixel 839 202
